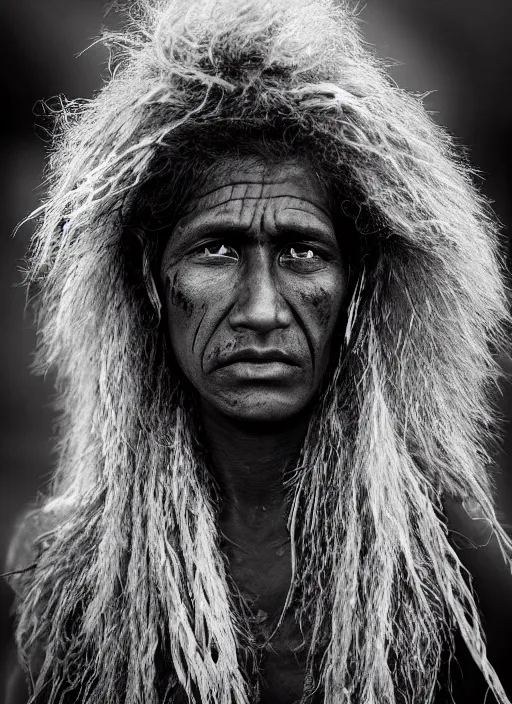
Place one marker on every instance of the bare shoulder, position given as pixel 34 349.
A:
pixel 21 558
pixel 474 539
pixel 468 525
pixel 26 542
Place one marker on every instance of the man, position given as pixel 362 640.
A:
pixel 271 295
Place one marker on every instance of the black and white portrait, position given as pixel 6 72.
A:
pixel 256 401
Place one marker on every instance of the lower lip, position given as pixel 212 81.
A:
pixel 259 370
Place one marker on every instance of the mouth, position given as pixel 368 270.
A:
pixel 258 357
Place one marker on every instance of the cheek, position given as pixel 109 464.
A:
pixel 322 304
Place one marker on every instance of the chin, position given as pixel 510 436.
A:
pixel 260 410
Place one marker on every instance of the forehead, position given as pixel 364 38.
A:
pixel 233 190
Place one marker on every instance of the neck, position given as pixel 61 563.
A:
pixel 249 459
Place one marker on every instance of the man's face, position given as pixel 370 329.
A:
pixel 254 282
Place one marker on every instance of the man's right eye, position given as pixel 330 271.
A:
pixel 220 250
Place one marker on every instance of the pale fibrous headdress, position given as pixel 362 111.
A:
pixel 129 599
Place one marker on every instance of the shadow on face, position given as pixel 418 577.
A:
pixel 254 282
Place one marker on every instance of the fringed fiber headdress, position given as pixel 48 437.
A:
pixel 129 596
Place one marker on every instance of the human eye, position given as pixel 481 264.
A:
pixel 218 252
pixel 302 258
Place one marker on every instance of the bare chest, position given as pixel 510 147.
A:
pixel 261 571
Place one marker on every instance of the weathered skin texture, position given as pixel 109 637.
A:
pixel 261 291
pixel 235 282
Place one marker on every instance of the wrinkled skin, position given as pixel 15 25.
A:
pixel 254 266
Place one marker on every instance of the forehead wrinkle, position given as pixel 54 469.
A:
pixel 187 219
pixel 232 188
pixel 260 187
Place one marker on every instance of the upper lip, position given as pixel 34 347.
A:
pixel 258 355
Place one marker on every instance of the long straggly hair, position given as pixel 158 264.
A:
pixel 129 582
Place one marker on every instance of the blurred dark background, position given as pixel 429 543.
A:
pixel 459 49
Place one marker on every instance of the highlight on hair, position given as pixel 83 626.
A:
pixel 129 582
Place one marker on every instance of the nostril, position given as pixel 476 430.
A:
pixel 265 311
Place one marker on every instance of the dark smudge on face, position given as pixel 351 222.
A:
pixel 178 297
pixel 224 348
pixel 321 301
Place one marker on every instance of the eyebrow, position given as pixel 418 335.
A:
pixel 301 224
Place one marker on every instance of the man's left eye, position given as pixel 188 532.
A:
pixel 302 258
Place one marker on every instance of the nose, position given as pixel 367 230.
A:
pixel 260 306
